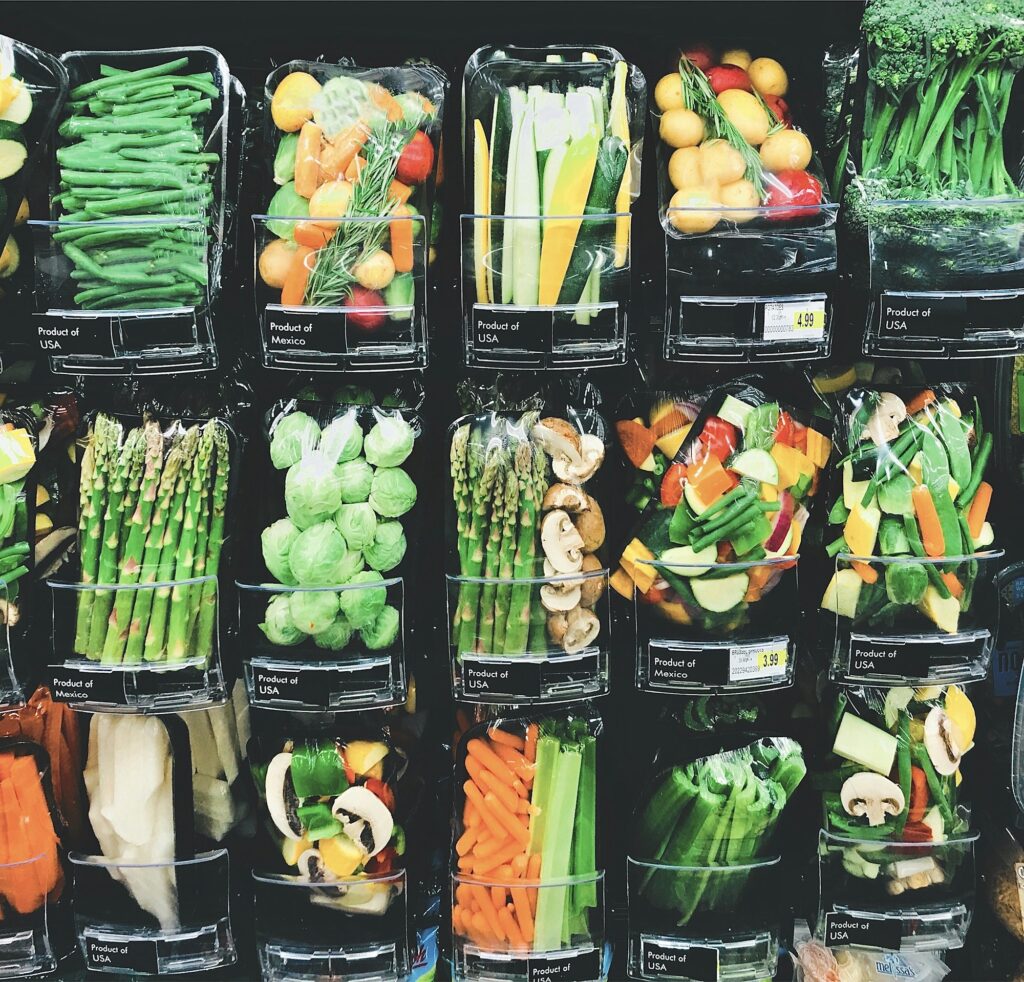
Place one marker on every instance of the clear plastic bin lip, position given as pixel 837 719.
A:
pixel 735 299
pixel 600 217
pixel 332 222
pixel 825 837
pixel 565 881
pixel 396 877
pixel 170 221
pixel 755 864
pixel 784 561
pixel 499 53
pixel 135 668
pixel 923 560
pixel 78 586
pixel 199 859
pixel 593 574
pixel 828 208
pixel 957 203
pixel 329 588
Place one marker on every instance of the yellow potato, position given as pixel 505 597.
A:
pixel 720 162
pixel 330 200
pixel 786 150
pixel 684 167
pixel 694 210
pixel 275 261
pixel 668 93
pixel 292 102
pixel 376 272
pixel 768 76
pixel 741 199
pixel 746 114
pixel 737 56
pixel 681 128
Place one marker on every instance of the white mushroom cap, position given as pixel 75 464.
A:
pixel 872 796
pixel 582 627
pixel 884 425
pixel 562 544
pixel 559 439
pixel 591 457
pixel 555 598
pixel 568 497
pixel 940 742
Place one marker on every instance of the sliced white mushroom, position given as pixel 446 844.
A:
pixel 559 439
pixel 282 802
pixel 555 598
pixel 592 456
pixel 582 627
pixel 365 818
pixel 562 544
pixel 568 497
pixel 884 425
pixel 311 867
pixel 871 796
pixel 940 742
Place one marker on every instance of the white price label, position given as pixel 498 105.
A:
pixel 796 320
pixel 762 662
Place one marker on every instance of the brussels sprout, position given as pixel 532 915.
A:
pixel 381 633
pixel 278 626
pixel 389 443
pixel 313 611
pixel 342 438
pixel 336 636
pixel 358 523
pixel 388 547
pixel 392 493
pixel 312 490
pixel 295 435
pixel 277 540
pixel 361 607
pixel 352 395
pixel 319 556
pixel 355 478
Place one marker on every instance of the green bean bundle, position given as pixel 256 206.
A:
pixel 136 187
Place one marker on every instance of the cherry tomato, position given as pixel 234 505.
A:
pixel 672 485
pixel 719 437
pixel 723 77
pixel 780 107
pixel 785 429
pixel 365 320
pixel 792 187
pixel 416 163
pixel 382 791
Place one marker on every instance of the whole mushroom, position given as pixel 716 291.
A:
pixel 590 524
pixel 592 587
pixel 561 542
pixel 872 796
pixel 884 425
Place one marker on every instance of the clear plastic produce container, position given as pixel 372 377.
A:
pixel 553 139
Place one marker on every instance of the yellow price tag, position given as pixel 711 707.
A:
pixel 773 660
pixel 809 320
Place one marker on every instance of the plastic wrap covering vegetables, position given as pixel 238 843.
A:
pixel 57 729
pixel 526 846
pixel 182 771
pixel 348 493
pixel 937 90
pixel 717 811
pixel 18 446
pixel 728 146
pixel 738 473
pixel 551 132
pixel 913 491
pixel 137 185
pixel 334 806
pixel 153 511
pixel 524 486
pixel 350 144
pixel 894 770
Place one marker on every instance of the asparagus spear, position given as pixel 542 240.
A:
pixel 517 621
pixel 538 637
pixel 157 631
pixel 208 612
pixel 92 486
pixel 485 634
pixel 151 555
pixel 195 591
pixel 177 631
pixel 507 549
pixel 461 489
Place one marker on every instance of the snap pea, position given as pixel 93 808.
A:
pixel 966 495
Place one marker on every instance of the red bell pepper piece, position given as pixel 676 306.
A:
pixel 719 437
pixel 672 485
pixel 918 795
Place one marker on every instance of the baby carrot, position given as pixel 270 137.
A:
pixel 509 820
pixel 479 749
pixel 928 520
pixel 521 899
pixel 466 841
pixel 484 866
pixel 486 813
pixel 511 928
pixel 499 735
pixel 294 290
pixel 483 898
pixel 503 792
pixel 498 898
pixel 482 932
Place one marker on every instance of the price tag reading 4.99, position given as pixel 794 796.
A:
pixel 795 320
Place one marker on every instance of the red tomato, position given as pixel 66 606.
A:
pixel 672 485
pixel 792 187
pixel 719 437
pixel 416 163
pixel 780 107
pixel 382 791
pixel 365 320
pixel 699 54
pixel 785 431
pixel 723 77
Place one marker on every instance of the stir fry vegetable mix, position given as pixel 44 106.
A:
pixel 894 774
pixel 348 148
pixel 137 187
pixel 938 91
pixel 347 489
pixel 734 492
pixel 913 489
pixel 527 836
pixel 729 145
pixel 18 441
pixel 522 511
pixel 153 509
pixel 331 805
pixel 557 142
pixel 718 811
pixel 16 109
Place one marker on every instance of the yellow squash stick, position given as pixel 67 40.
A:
pixel 482 206
pixel 619 126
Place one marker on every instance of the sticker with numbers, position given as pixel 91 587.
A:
pixel 795 320
pixel 764 662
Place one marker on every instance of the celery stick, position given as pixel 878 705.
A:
pixel 663 812
pixel 557 849
pixel 584 849
pixel 543 777
pixel 690 888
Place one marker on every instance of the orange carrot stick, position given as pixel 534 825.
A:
pixel 509 820
pixel 979 509
pixel 928 520
pixel 498 735
pixel 530 744
pixel 922 399
pixel 521 899
pixel 483 898
pixel 479 749
pixel 486 813
pixel 402 228
pixel 956 588
pixel 400 192
pixel 511 928
pixel 865 571
pixel 294 290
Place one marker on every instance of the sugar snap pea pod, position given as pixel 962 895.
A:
pixel 108 81
pixel 966 495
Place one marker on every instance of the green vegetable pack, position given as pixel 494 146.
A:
pixel 910 530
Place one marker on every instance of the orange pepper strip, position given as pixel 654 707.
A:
pixel 928 520
pixel 979 509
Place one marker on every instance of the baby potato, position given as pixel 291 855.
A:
pixel 699 210
pixel 275 261
pixel 746 114
pixel 768 76
pixel 684 167
pixel 681 128
pixel 786 150
pixel 375 272
pixel 741 199
pixel 668 93
pixel 737 56
pixel 720 162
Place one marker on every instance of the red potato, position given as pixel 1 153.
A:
pixel 724 77
pixel 780 107
pixel 365 320
pixel 792 187
pixel 699 54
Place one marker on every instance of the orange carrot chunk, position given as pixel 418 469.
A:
pixel 979 509
pixel 928 520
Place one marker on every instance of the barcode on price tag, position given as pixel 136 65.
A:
pixel 802 320
pixel 763 662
